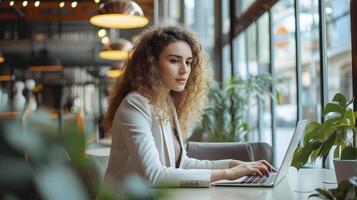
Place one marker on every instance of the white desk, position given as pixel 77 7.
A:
pixel 295 186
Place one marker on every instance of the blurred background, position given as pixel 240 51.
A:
pixel 57 56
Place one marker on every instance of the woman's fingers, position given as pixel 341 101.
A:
pixel 270 167
pixel 257 172
pixel 264 169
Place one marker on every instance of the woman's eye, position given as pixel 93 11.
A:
pixel 174 61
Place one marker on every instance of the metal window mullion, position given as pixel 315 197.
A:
pixel 260 103
pixel 232 15
pixel 218 47
pixel 298 59
pixel 323 54
pixel 272 71
pixel 353 13
pixel 323 59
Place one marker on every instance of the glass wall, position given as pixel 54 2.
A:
pixel 339 62
pixel 252 56
pixel 252 64
pixel 263 67
pixel 284 56
pixel 199 17
pixel 240 62
pixel 310 60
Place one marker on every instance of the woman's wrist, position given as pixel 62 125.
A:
pixel 234 163
pixel 220 174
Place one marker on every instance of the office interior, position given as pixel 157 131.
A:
pixel 51 59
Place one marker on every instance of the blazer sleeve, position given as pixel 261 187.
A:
pixel 134 118
pixel 192 163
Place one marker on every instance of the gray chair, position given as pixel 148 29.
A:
pixel 245 151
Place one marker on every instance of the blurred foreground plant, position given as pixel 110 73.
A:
pixel 36 162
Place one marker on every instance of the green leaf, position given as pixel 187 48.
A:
pixel 340 99
pixel 312 131
pixel 325 193
pixel 342 190
pixel 337 152
pixel 349 118
pixel 327 145
pixel 74 142
pixel 302 154
pixel 334 108
pixel 349 153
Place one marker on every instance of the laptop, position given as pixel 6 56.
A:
pixel 274 177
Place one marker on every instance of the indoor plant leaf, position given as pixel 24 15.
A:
pixel 340 99
pixel 323 193
pixel 349 153
pixel 333 108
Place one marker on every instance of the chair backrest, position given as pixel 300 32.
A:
pixel 245 151
pixel 262 151
pixel 220 150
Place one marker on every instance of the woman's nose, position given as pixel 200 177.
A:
pixel 183 68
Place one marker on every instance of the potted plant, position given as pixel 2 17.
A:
pixel 339 130
pixel 346 190
pixel 225 119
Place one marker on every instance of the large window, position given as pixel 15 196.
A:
pixel 283 21
pixel 339 47
pixel 310 60
pixel 263 67
pixel 199 17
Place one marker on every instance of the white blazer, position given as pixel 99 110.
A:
pixel 143 145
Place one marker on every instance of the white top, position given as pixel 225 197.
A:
pixel 142 144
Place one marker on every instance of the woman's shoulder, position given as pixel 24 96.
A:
pixel 135 100
pixel 136 97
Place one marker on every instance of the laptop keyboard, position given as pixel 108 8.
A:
pixel 259 180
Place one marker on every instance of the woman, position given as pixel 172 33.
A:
pixel 161 91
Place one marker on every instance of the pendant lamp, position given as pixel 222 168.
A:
pixel 2 59
pixel 114 73
pixel 116 50
pixel 124 14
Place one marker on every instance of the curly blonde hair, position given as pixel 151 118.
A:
pixel 141 73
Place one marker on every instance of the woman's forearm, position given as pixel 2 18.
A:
pixel 219 174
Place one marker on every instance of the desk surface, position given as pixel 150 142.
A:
pixel 295 186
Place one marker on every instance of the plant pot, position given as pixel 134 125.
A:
pixel 345 169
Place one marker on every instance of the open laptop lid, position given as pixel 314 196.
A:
pixel 299 131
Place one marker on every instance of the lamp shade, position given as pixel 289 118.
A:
pixel 117 50
pixel 114 73
pixel 2 59
pixel 124 14
pixel 44 62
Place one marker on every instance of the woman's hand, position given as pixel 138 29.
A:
pixel 259 168
pixel 240 168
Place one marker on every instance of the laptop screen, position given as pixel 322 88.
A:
pixel 299 131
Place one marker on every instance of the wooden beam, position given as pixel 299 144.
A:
pixel 258 8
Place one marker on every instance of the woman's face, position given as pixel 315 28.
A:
pixel 175 65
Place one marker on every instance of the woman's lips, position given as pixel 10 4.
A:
pixel 181 80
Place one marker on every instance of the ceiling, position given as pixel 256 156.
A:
pixel 65 32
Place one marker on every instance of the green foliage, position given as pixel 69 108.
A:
pixel 225 117
pixel 320 138
pixel 39 163
pixel 346 190
pixel 36 162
